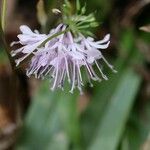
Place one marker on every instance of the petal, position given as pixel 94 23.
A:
pixel 54 61
pixel 90 60
pixel 30 48
pixel 14 43
pixel 90 39
pixel 106 38
pixel 25 30
pixel 43 62
pixel 26 39
pixel 76 55
pixel 98 46
pixel 93 55
pixel 15 52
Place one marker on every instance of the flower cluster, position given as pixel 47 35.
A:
pixel 62 56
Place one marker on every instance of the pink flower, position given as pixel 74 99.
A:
pixel 62 57
pixel 29 41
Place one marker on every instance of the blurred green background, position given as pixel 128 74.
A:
pixel 113 115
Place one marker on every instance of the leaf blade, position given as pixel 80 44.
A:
pixel 109 131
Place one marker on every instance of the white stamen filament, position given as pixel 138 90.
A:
pixel 109 65
pixel 73 79
pixel 79 73
pixel 103 75
pixel 55 78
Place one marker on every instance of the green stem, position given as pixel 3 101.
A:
pixel 3 16
pixel 6 47
pixel 53 36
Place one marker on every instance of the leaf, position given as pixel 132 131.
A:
pixel 137 129
pixel 69 118
pixel 51 122
pixel 40 122
pixel 102 93
pixel 113 122
pixel 92 118
pixel 78 5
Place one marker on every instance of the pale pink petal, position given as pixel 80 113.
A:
pixel 26 30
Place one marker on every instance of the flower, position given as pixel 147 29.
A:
pixel 29 41
pixel 62 56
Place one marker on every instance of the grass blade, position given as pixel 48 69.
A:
pixel 116 115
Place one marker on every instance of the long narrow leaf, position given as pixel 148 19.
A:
pixel 51 122
pixel 115 117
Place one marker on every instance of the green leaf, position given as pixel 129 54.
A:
pixel 69 118
pixel 51 122
pixel 113 122
pixel 99 101
pixel 103 92
pixel 137 129
pixel 78 5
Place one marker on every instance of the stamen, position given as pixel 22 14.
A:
pixel 79 84
pixel 89 79
pixel 17 61
pixel 13 53
pixel 109 65
pixel 73 78
pixel 80 76
pixel 63 80
pixel 49 70
pixel 90 73
pixel 95 75
pixel 103 75
pixel 55 78
pixel 67 70
pixel 42 72
pixel 14 43
pixel 61 77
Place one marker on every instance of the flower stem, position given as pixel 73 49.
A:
pixel 53 36
pixel 3 13
pixel 2 34
pixel 6 47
